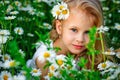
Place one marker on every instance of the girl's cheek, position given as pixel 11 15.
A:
pixel 87 39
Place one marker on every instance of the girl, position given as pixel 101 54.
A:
pixel 73 20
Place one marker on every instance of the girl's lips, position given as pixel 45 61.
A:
pixel 78 46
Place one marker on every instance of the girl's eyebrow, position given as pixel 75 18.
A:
pixel 75 26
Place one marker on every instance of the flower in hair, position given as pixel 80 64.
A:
pixel 60 11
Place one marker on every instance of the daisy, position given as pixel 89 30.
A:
pixel 117 2
pixel 23 72
pixel 5 75
pixel 56 12
pixel 118 11
pixel 14 12
pixel 32 11
pixel 27 8
pixel 4 32
pixel 30 34
pixel 10 7
pixel 118 55
pixel 109 52
pixel 60 59
pixel 102 29
pixel 105 8
pixel 35 72
pixel 6 2
pixel 9 63
pixel 22 52
pixel 114 75
pixel 10 17
pixel 19 77
pixel 3 39
pixel 110 70
pixel 117 26
pixel 17 3
pixel 42 14
pixel 47 55
pixel 47 25
pixel 60 11
pixel 48 76
pixel 6 57
pixel 53 67
pixel 73 67
pixel 105 65
pixel 19 30
pixel 64 14
pixel 64 10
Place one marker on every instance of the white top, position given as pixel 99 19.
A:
pixel 39 49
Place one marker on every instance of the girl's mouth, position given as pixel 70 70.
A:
pixel 78 46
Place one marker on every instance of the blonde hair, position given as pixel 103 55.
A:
pixel 92 8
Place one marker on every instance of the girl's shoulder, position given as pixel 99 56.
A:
pixel 41 47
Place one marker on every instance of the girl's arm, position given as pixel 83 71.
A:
pixel 41 65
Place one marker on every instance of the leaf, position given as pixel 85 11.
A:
pixel 82 62
pixel 47 64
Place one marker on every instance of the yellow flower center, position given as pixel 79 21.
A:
pixel 60 62
pixel 50 74
pixel 35 71
pixel 18 31
pixel 16 3
pixel 108 52
pixel 46 55
pixel 69 67
pixel 52 68
pixel 64 12
pixel 61 7
pixel 5 58
pixel 5 77
pixel 104 65
pixel 24 73
pixel 118 27
pixel 12 63
pixel 46 25
pixel 58 12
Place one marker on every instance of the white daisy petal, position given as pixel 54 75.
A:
pixel 35 72
pixel 60 11
pixel 19 30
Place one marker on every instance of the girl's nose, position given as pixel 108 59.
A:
pixel 80 38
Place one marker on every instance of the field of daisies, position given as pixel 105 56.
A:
pixel 23 23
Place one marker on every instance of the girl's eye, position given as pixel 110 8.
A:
pixel 87 32
pixel 74 30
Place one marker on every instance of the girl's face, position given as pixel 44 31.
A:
pixel 74 31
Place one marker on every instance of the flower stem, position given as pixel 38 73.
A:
pixel 93 59
pixel 103 50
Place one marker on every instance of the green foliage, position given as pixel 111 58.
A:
pixel 31 17
pixel 82 62
pixel 111 12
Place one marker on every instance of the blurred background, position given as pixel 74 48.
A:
pixel 23 23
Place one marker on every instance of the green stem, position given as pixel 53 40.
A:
pixel 13 71
pixel 103 50
pixel 93 59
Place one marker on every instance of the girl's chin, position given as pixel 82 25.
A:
pixel 77 52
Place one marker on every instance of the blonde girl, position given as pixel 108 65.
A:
pixel 91 13
pixel 70 30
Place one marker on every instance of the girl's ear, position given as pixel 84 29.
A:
pixel 58 27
